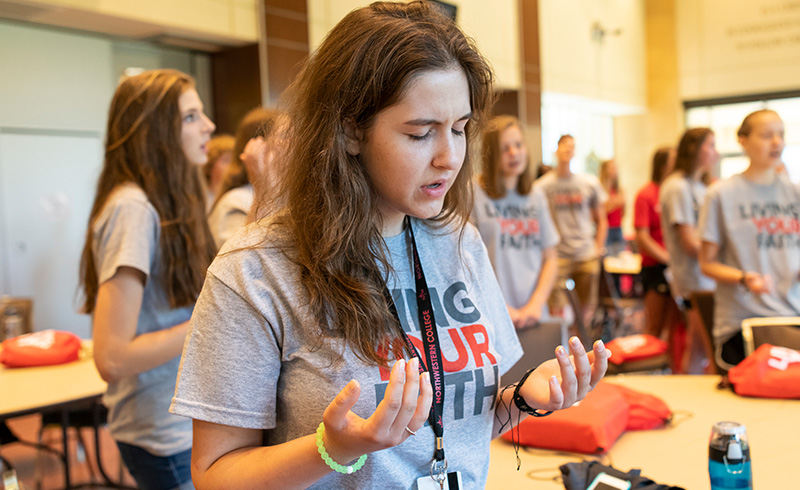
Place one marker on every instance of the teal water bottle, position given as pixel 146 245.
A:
pixel 729 457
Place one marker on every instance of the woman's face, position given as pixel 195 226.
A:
pixel 513 152
pixel 415 148
pixel 764 145
pixel 196 127
pixel 707 154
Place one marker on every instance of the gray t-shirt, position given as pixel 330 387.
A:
pixel 126 233
pixel 757 228
pixel 680 200
pixel 571 201
pixel 229 214
pixel 252 358
pixel 516 230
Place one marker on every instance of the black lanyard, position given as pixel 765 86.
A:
pixel 433 355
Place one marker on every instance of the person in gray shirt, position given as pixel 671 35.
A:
pixel 750 227
pixel 252 156
pixel 681 197
pixel 145 258
pixel 514 221
pixel 302 365
pixel 577 204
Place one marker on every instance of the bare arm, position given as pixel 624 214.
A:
pixel 713 268
pixel 650 247
pixel 557 383
pixel 118 351
pixel 233 458
pixel 531 313
pixel 601 221
pixel 690 242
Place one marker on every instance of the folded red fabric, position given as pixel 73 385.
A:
pixel 594 425
pixel 769 372
pixel 44 348
pixel 635 348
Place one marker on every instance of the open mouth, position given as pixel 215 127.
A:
pixel 433 186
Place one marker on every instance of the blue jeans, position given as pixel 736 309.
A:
pixel 157 472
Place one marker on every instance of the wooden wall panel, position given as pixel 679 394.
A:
pixel 237 75
pixel 286 24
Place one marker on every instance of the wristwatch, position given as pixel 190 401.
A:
pixel 743 279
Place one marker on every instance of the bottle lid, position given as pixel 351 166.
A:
pixel 729 428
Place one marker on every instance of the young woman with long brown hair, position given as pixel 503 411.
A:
pixel 143 265
pixel 514 221
pixel 681 197
pixel 322 312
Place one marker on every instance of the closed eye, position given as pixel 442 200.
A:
pixel 418 137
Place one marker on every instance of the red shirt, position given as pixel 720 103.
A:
pixel 647 214
pixel 615 216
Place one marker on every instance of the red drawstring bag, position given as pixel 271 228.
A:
pixel 594 425
pixel 769 372
pixel 43 348
pixel 591 426
pixel 645 411
pixel 635 348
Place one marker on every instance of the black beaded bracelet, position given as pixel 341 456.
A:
pixel 520 402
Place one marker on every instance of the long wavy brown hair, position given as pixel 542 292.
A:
pixel 688 149
pixel 257 122
pixel 329 216
pixel 143 147
pixel 491 177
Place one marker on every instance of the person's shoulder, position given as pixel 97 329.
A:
pixel 673 183
pixel 537 193
pixel 589 179
pixel 253 247
pixel 647 191
pixel 129 193
pixel 546 180
pixel 127 198
pixel 733 184
pixel 239 197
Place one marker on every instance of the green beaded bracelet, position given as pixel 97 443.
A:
pixel 345 470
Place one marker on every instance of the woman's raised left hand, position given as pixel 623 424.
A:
pixel 560 382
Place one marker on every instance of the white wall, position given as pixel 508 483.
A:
pixel 573 63
pixel 728 48
pixel 493 26
pixel 205 24
pixel 55 89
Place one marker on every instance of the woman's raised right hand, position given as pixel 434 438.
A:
pixel 406 403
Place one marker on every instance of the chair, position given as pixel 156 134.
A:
pixel 781 331
pixel 538 345
pixel 608 331
pixel 93 415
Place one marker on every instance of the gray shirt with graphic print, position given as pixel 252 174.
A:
pixel 516 230
pixel 757 229
pixel 253 357
pixel 571 201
